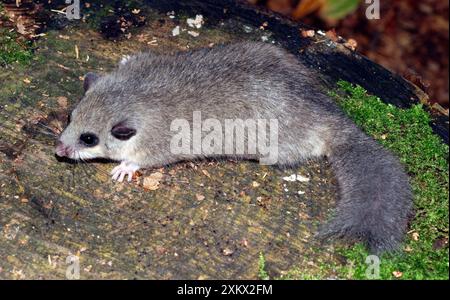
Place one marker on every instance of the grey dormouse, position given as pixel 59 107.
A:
pixel 126 115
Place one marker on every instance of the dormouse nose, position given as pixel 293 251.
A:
pixel 61 149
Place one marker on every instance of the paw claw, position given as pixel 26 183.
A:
pixel 124 169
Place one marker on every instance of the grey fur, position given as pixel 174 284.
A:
pixel 241 81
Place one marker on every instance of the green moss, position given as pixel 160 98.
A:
pixel 262 273
pixel 12 50
pixel 406 132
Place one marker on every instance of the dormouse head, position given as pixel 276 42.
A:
pixel 101 125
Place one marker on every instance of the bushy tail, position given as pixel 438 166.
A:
pixel 375 196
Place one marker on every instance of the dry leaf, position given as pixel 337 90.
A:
pixel 351 44
pixel 193 33
pixel 152 181
pixel 21 28
pixel 64 67
pixel 176 31
pixel 331 34
pixel 255 184
pixel 141 38
pixel 227 252
pixel 195 23
pixel 199 197
pixel 62 102
pixel 397 274
pixel 206 173
pixel 307 33
pixel 302 178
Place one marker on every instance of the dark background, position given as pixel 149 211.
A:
pixel 411 38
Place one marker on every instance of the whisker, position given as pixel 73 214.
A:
pixel 19 135
pixel 47 132
pixel 82 191
pixel 37 166
pixel 47 127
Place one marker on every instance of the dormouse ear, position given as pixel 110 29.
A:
pixel 123 131
pixel 89 80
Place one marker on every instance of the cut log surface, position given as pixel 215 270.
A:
pixel 202 220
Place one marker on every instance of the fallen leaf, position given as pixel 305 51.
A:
pixel 199 197
pixel 62 102
pixel 152 181
pixel 141 38
pixel 291 178
pixel 160 249
pixel 227 252
pixel 331 34
pixel 307 33
pixel 176 31
pixel 195 23
pixel 63 67
pixel 397 274
pixel 21 28
pixel 193 33
pixel 351 44
pixel 302 178
pixel 408 249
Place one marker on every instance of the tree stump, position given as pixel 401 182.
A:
pixel 203 220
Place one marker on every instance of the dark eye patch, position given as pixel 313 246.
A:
pixel 88 139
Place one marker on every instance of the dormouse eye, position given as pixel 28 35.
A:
pixel 69 118
pixel 89 139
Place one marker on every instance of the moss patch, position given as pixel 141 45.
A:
pixel 13 49
pixel 406 132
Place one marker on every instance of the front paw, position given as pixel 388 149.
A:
pixel 124 169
